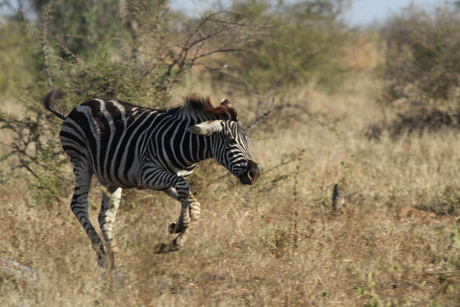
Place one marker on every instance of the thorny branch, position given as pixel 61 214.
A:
pixel 265 115
pixel 293 157
pixel 202 43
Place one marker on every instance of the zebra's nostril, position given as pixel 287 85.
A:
pixel 253 172
pixel 250 175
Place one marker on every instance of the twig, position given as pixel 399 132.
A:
pixel 219 51
pixel 286 162
pixel 24 165
pixel 265 115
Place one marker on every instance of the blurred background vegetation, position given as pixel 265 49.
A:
pixel 422 68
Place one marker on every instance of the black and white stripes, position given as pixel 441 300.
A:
pixel 125 145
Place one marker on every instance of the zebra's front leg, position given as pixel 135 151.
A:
pixel 190 208
pixel 190 213
pixel 110 203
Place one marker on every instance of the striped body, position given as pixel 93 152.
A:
pixel 127 146
pixel 123 141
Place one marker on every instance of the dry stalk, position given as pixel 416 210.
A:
pixel 295 214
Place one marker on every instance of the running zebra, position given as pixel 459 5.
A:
pixel 126 146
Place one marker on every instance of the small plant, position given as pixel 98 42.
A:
pixel 369 291
pixel 278 241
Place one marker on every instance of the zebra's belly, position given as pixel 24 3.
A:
pixel 118 177
pixel 133 180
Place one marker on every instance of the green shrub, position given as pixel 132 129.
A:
pixel 421 71
pixel 303 42
pixel 422 59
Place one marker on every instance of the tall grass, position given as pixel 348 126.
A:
pixel 243 251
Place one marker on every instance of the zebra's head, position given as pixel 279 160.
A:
pixel 230 147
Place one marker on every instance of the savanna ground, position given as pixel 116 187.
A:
pixel 272 244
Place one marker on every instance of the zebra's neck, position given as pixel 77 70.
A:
pixel 173 147
pixel 199 146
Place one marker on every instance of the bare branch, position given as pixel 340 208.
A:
pixel 24 165
pixel 75 57
pixel 293 157
pixel 243 24
pixel 265 115
pixel 219 51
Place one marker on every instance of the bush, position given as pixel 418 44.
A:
pixel 422 59
pixel 303 42
pixel 422 70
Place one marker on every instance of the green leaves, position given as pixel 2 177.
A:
pixel 302 42
pixel 423 53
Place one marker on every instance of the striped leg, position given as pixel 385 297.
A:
pixel 79 206
pixel 190 213
pixel 190 210
pixel 110 203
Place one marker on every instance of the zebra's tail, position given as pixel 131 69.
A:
pixel 50 103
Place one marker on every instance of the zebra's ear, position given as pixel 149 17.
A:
pixel 206 128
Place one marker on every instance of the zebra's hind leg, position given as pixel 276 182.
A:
pixel 110 203
pixel 79 206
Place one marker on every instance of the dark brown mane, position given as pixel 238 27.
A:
pixel 226 110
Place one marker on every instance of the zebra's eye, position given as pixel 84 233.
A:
pixel 231 142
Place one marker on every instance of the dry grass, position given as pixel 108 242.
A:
pixel 273 244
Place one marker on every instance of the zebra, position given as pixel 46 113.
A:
pixel 130 146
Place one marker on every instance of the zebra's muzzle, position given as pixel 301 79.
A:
pixel 251 175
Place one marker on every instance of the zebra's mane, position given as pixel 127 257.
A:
pixel 196 104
